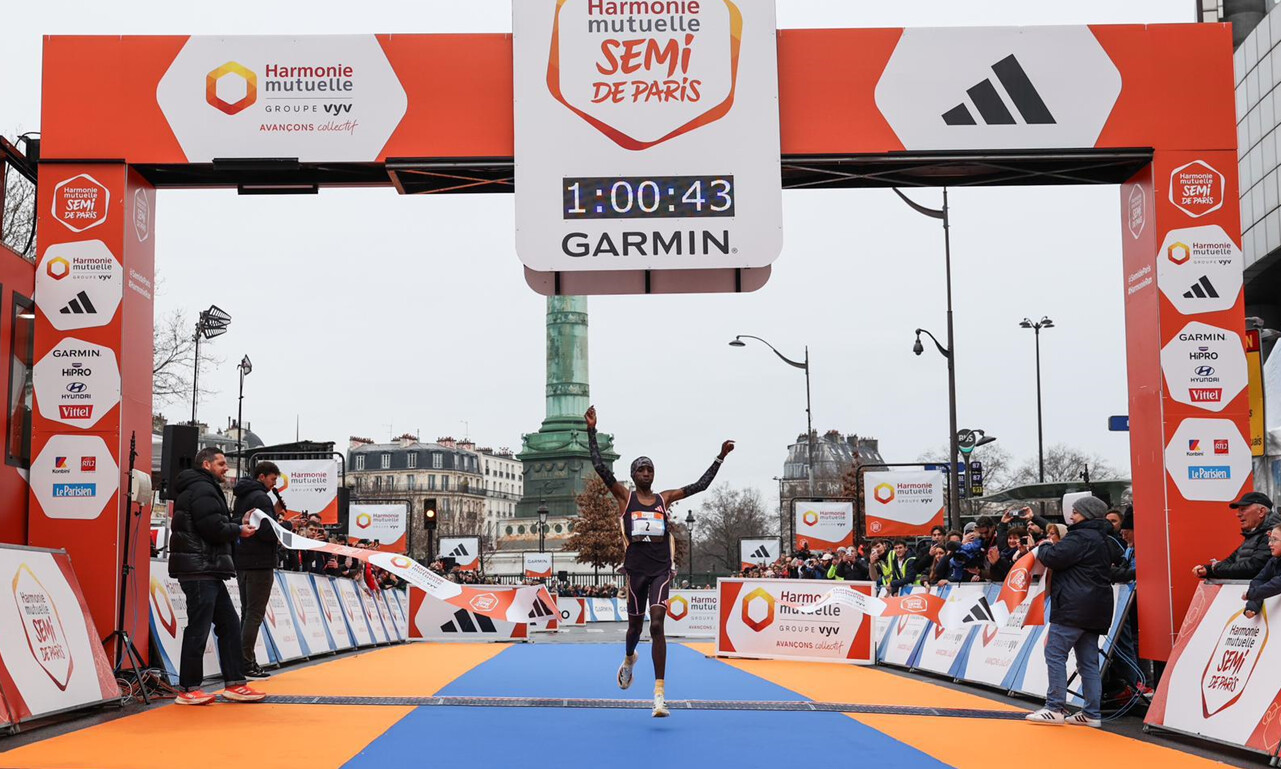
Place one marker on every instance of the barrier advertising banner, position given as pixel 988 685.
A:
pixel 573 611
pixel 434 620
pixel 940 646
pixel 758 552
pixel 169 619
pixel 1032 678
pixel 369 606
pixel 384 524
pixel 904 636
pixel 51 658
pixel 902 504
pixel 310 486
pixel 692 614
pixel 992 655
pixel 397 620
pixel 464 550
pixel 823 525
pixel 602 122
pixel 354 612
pixel 1221 680
pixel 279 623
pixel 332 612
pixel 538 565
pixel 304 608
pixel 261 651
pixel 606 610
pixel 755 622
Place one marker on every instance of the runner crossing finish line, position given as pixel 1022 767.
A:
pixel 649 554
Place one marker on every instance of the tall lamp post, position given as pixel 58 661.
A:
pixel 211 323
pixel 689 529
pixel 954 491
pixel 542 525
pixel 809 415
pixel 245 367
pixel 1044 322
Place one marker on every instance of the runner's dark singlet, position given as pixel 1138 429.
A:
pixel 650 558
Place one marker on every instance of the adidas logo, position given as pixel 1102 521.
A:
pixel 461 550
pixel 540 610
pixel 1018 87
pixel 761 552
pixel 466 622
pixel 980 612
pixel 80 305
pixel 1202 289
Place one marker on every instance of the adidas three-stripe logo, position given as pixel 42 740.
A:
pixel 761 552
pixel 80 305
pixel 460 550
pixel 1202 289
pixel 540 610
pixel 980 612
pixel 466 622
pixel 992 107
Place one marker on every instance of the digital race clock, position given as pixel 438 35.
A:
pixel 642 197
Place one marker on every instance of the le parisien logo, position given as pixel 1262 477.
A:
pixel 232 72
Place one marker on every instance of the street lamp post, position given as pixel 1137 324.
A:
pixel 954 490
pixel 1044 322
pixel 245 367
pixel 689 529
pixel 954 498
pixel 809 414
pixel 542 524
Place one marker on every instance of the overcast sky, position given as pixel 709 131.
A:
pixel 367 313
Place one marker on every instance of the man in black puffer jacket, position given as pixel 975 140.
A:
pixel 1254 512
pixel 256 559
pixel 200 545
pixel 1080 611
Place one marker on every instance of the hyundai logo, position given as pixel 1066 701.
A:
pixel 77 387
pixel 76 364
pixel 1205 370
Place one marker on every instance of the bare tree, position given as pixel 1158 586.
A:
pixel 1064 464
pixel 730 515
pixel 18 217
pixel 173 356
pixel 998 464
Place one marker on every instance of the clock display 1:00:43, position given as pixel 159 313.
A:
pixel 645 197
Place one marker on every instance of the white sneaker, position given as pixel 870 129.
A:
pixel 1080 719
pixel 625 671
pixel 660 705
pixel 1046 716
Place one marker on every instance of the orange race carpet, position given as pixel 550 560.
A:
pixel 493 705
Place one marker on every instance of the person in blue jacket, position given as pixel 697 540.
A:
pixel 1268 583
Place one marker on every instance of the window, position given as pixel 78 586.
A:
pixel 409 481
pixel 509 531
pixel 431 483
pixel 360 461
pixel 444 483
pixel 437 460
pixel 18 446
pixel 520 529
pixel 391 482
pixel 385 462
pixel 444 505
pixel 411 460
pixel 378 482
pixel 558 528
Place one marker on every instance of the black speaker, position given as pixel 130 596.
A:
pixel 177 453
pixel 344 508
pixel 562 575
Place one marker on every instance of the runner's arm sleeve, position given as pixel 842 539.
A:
pixel 597 462
pixel 702 483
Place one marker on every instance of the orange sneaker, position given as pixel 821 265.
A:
pixel 194 697
pixel 242 693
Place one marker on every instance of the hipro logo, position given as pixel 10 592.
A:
pixel 884 493
pixel 1209 473
pixel 75 490
pixel 246 76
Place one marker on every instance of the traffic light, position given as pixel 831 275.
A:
pixel 429 513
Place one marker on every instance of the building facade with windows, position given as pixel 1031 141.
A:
pixel 504 485
pixel 447 471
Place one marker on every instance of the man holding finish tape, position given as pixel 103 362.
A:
pixel 649 559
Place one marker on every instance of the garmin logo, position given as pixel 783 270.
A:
pixel 631 243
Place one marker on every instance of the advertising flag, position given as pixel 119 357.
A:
pixel 759 552
pixel 464 550
pixel 902 504
pixel 538 565
pixel 384 524
pixel 824 525
pixel 310 486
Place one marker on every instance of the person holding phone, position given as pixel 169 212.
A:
pixel 649 556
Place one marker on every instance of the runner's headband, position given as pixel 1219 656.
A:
pixel 640 462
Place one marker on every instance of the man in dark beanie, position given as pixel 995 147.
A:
pixel 1080 611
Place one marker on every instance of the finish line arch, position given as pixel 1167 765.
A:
pixel 1150 108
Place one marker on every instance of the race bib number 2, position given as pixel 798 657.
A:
pixel 648 524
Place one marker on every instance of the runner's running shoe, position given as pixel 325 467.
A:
pixel 625 671
pixel 242 693
pixel 194 697
pixel 660 701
